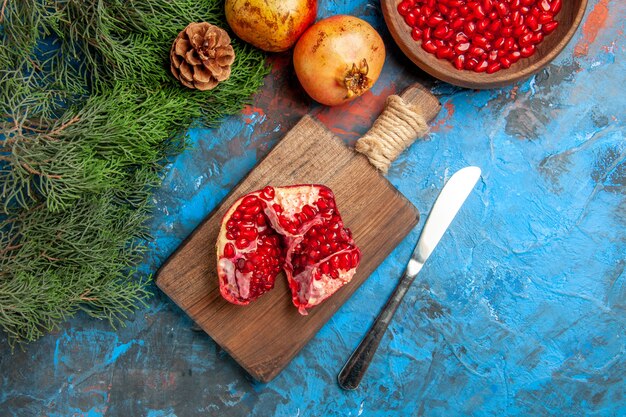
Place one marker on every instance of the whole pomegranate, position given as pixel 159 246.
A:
pixel 338 59
pixel 295 228
pixel 271 25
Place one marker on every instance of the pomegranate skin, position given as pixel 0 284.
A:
pixel 270 25
pixel 338 59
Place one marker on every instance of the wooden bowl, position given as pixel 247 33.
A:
pixel 569 18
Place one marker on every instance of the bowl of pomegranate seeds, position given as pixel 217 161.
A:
pixel 482 43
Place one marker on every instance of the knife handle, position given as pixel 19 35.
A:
pixel 352 372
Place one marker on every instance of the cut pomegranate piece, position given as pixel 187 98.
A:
pixel 297 228
pixel 249 252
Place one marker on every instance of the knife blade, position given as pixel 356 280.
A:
pixel 445 208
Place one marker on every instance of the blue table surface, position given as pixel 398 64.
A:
pixel 519 312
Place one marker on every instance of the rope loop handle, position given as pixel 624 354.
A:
pixel 396 129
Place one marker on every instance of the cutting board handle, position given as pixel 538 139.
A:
pixel 404 119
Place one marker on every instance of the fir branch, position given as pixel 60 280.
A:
pixel 89 112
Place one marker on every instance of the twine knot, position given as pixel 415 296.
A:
pixel 394 131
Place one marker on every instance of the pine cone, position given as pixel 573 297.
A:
pixel 201 56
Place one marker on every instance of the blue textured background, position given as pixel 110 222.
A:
pixel 520 311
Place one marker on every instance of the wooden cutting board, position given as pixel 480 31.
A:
pixel 264 336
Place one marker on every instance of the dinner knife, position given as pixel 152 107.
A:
pixel 446 206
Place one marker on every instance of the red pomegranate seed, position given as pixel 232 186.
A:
pixel 555 6
pixel 445 52
pixel 456 24
pixel 545 5
pixel 441 31
pixel 434 21
pixel 229 250
pixel 241 243
pixel 459 62
pixel 505 62
pixel 403 8
pixel 537 38
pixel 549 27
pixel 514 56
pixel 482 25
pixel 410 18
pixel 416 34
pixel 471 63
pixel 527 51
pixel 526 40
pixel 493 67
pixel 482 66
pixel 429 46
pixel 461 48
pixel 532 22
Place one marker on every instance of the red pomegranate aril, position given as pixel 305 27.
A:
pixel 410 18
pixel 482 25
pixel 471 63
pixel 461 38
pixel 461 48
pixel 482 66
pixel 252 199
pixel 545 18
pixel 555 6
pixel 502 8
pixel 505 62
pixel 267 193
pixel 241 243
pixel 480 41
pixel 549 27
pixel 459 62
pixel 470 28
pixel 515 56
pixel 355 258
pixel 403 8
pixel 475 51
pixel 537 38
pixel 499 43
pixel 532 22
pixel 527 51
pixel 429 46
pixel 229 250
pixel 493 67
pixel 434 21
pixel 519 31
pixel 444 52
pixel 440 31
pixel 509 43
pixel 456 24
pixel 416 34
pixel 495 26
pixel 545 5
pixel 526 40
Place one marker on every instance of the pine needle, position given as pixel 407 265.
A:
pixel 89 114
